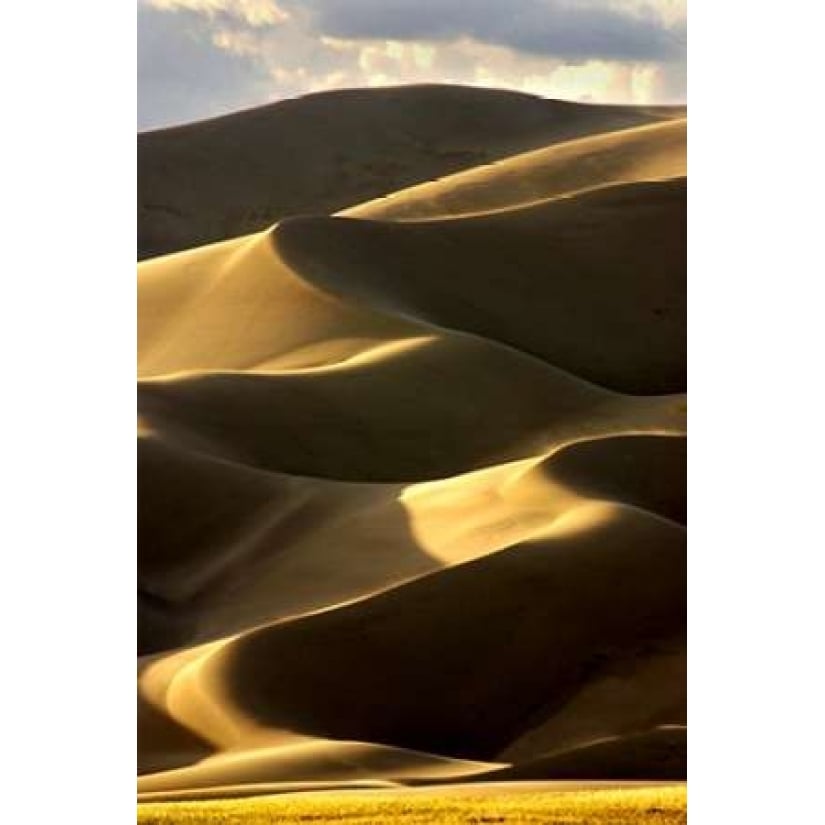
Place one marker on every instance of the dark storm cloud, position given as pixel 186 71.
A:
pixel 183 76
pixel 555 28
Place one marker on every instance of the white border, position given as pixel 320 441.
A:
pixel 68 347
pixel 756 321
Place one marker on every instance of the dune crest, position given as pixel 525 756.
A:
pixel 411 490
pixel 238 174
pixel 643 153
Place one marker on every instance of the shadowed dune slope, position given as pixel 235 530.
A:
pixel 163 743
pixel 440 687
pixel 236 174
pixel 522 614
pixel 593 284
pixel 382 421
pixel 656 754
pixel 646 471
pixel 224 546
pixel 647 152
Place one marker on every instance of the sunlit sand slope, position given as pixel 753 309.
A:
pixel 381 421
pixel 593 284
pixel 313 762
pixel 647 152
pixel 238 306
pixel 521 643
pixel 225 546
pixel 212 180
pixel 411 491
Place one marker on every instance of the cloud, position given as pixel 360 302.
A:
pixel 253 12
pixel 556 28
pixel 184 75
pixel 198 58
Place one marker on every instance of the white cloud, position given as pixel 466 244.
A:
pixel 268 51
pixel 238 42
pixel 254 12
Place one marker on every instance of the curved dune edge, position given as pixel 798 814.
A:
pixel 267 677
pixel 391 427
pixel 237 305
pixel 637 756
pixel 202 694
pixel 317 292
pixel 243 391
pixel 412 485
pixel 340 541
pixel 391 532
pixel 593 284
pixel 321 762
pixel 643 153
pixel 228 176
pixel 625 759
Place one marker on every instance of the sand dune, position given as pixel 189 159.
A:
pixel 651 152
pixel 593 284
pixel 225 546
pixel 619 757
pixel 439 665
pixel 227 370
pixel 412 479
pixel 237 305
pixel 232 175
pixel 318 291
pixel 165 744
pixel 647 471
pixel 521 616
pixel 383 422
pixel 313 761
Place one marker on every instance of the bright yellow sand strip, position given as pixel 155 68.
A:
pixel 568 804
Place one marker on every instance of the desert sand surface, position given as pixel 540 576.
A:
pixel 240 173
pixel 412 476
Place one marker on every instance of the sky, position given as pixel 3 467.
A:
pixel 201 58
